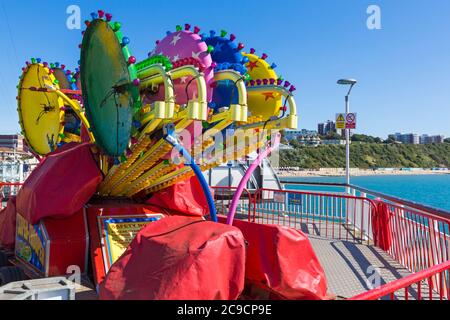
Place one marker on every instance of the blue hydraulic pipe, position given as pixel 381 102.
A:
pixel 169 136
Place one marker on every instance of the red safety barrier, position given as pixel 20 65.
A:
pixel 418 285
pixel 420 241
pixel 329 215
pixel 416 239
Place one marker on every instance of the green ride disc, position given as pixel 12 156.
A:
pixel 109 94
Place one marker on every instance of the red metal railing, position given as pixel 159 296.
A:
pixel 419 285
pixel 329 215
pixel 7 190
pixel 417 239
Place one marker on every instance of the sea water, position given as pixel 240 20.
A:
pixel 431 190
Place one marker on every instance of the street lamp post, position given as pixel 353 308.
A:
pixel 351 83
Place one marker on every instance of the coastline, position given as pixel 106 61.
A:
pixel 338 172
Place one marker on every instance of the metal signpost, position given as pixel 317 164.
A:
pixel 351 83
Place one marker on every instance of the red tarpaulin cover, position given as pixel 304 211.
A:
pixel 60 185
pixel 179 258
pixel 185 197
pixel 381 224
pixel 283 259
pixel 8 224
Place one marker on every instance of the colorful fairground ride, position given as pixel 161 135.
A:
pixel 120 193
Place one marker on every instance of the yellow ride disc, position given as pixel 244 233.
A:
pixel 41 113
pixel 265 102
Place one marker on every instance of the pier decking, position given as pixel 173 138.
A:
pixel 351 266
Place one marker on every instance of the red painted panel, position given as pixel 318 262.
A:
pixel 68 240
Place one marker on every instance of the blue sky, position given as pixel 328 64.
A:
pixel 403 69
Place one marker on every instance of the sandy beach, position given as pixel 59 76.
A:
pixel 338 172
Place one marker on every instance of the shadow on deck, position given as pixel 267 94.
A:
pixel 352 265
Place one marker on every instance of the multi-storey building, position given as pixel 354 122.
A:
pixel 426 139
pixel 326 127
pixel 409 138
pixel 13 142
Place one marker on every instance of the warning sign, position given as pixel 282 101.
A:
pixel 346 121
pixel 350 121
pixel 340 121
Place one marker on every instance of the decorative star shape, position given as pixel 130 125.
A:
pixel 269 95
pixel 196 55
pixel 175 39
pixel 176 58
pixel 252 65
pixel 183 79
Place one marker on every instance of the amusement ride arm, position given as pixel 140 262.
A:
pixel 183 71
pixel 289 121
pixel 76 108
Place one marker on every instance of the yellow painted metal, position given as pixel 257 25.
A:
pixel 186 172
pixel 196 110
pixel 104 164
pixel 154 173
pixel 159 71
pixel 41 114
pixel 129 182
pixel 70 137
pixel 76 108
pixel 266 103
pixel 160 109
pixel 283 92
pixel 239 82
pixel 184 71
pixel 289 121
pixel 145 171
pixel 149 158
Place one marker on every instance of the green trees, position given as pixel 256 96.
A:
pixel 294 143
pixel 368 155
pixel 390 139
pixel 332 136
pixel 365 138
